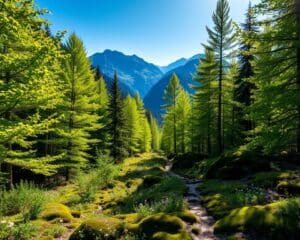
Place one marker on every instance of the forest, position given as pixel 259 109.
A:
pixel 79 159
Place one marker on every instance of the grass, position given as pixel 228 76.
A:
pixel 223 196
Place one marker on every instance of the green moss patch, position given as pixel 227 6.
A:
pixel 290 187
pixel 183 235
pixel 57 211
pixel 278 220
pixel 160 222
pixel 102 228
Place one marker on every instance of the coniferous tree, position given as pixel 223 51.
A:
pixel 170 96
pixel 205 100
pixel 29 86
pixel 103 101
pixel 275 107
pixel 117 122
pixel 220 41
pixel 183 110
pixel 155 134
pixel 80 105
pixel 244 87
pixel 132 124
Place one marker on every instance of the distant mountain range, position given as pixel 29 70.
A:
pixel 137 75
pixel 154 99
pixel 133 71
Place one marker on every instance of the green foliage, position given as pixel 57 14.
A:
pixel 155 132
pixel 169 137
pixel 79 109
pixel 221 197
pixel 221 39
pixel 100 228
pixel 25 198
pixel 169 204
pixel 275 107
pixel 88 183
pixel 22 231
pixel 116 126
pixel 29 86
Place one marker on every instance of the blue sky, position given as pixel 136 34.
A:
pixel 160 31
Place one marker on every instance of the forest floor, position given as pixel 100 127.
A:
pixel 150 199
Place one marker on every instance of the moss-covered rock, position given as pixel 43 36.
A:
pixel 57 211
pixel 291 187
pixel 101 228
pixel 183 235
pixel 186 216
pixel 156 223
pixel 278 220
pixel 150 180
pixel 236 165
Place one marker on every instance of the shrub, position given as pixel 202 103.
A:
pixel 22 231
pixel 89 183
pixel 25 198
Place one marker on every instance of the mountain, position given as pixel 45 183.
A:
pixel 126 90
pixel 133 71
pixel 178 63
pixel 154 99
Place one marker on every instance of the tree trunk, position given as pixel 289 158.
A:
pixel 297 8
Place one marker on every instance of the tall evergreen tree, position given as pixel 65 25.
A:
pixel 80 105
pixel 220 41
pixel 29 86
pixel 103 101
pixel 170 96
pixel 183 111
pixel 132 125
pixel 155 133
pixel 117 122
pixel 277 70
pixel 205 100
pixel 244 87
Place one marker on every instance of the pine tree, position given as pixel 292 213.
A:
pixel 146 136
pixel 132 125
pixel 205 101
pixel 220 41
pixel 29 86
pixel 117 122
pixel 275 107
pixel 155 134
pixel 170 96
pixel 80 105
pixel 183 110
pixel 103 101
pixel 244 87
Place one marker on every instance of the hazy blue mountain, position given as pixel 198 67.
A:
pixel 154 99
pixel 178 63
pixel 133 71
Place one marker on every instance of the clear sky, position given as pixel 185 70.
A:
pixel 160 31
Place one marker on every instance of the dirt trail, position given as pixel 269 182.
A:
pixel 206 222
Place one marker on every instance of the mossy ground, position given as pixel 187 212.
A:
pixel 252 203
pixel 142 195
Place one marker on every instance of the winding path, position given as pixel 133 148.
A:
pixel 206 222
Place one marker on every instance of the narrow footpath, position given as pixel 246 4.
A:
pixel 205 222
